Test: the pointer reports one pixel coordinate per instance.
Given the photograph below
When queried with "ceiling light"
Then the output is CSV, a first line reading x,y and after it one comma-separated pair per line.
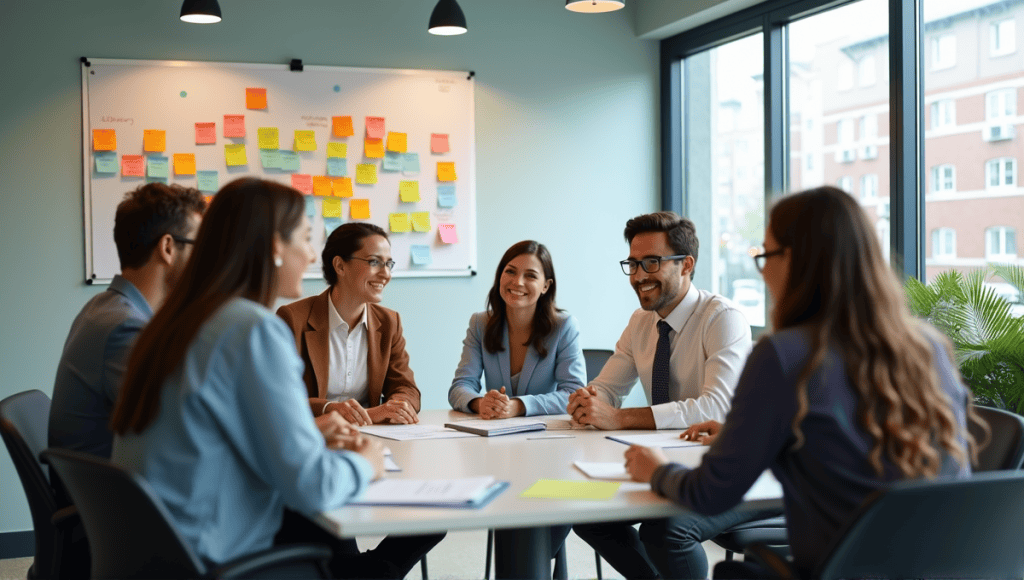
x,y
594,5
200,11
447,19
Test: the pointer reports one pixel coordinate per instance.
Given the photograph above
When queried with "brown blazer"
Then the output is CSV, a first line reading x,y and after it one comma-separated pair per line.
x,y
387,371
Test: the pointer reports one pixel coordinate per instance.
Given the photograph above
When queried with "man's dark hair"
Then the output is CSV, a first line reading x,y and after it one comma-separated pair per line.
x,y
344,241
682,234
148,214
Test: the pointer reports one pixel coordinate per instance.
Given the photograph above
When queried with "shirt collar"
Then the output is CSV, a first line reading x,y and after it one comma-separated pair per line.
x,y
334,319
681,313
122,286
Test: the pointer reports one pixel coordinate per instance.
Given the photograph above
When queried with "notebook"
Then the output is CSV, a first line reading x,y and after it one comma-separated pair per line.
x,y
493,427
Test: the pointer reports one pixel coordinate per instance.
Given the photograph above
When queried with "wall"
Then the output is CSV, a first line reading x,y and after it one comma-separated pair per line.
x,y
566,126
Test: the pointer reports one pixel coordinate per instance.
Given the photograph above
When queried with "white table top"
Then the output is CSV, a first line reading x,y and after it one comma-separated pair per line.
x,y
521,461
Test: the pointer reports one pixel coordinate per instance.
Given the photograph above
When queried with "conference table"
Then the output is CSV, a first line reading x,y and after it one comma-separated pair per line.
x,y
521,534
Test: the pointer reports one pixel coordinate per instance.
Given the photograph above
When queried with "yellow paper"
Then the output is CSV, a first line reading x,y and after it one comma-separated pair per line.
x,y
305,141
373,148
409,191
322,185
154,140
184,164
337,150
342,126
421,221
397,142
359,208
399,222
332,207
366,174
104,140
234,154
268,137
571,489
342,186
446,171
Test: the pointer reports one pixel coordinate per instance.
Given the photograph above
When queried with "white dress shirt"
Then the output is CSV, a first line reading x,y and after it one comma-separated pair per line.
x,y
347,377
710,343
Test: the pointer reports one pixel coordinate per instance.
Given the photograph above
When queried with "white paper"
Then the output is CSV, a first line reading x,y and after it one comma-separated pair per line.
x,y
425,491
390,465
765,487
413,432
614,470
498,424
660,439
557,422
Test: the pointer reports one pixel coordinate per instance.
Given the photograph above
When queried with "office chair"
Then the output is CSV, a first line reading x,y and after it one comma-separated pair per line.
x,y
61,550
595,359
131,534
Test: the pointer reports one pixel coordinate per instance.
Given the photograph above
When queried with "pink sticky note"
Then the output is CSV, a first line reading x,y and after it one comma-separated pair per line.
x,y
375,127
133,165
303,183
206,133
439,142
448,234
234,125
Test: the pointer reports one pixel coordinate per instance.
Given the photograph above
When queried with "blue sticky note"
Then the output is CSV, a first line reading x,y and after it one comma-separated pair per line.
x,y
393,161
337,167
106,161
446,195
208,181
310,205
289,161
157,166
420,255
331,224
270,158
411,163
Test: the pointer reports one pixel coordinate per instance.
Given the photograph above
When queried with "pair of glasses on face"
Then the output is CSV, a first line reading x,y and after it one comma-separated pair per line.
x,y
376,264
759,259
650,264
182,240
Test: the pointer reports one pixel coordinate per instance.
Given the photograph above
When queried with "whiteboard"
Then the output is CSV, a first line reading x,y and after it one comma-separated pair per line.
x,y
133,96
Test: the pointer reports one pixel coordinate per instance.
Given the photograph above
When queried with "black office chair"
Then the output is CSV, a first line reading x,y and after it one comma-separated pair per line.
x,y
949,528
61,550
131,535
595,359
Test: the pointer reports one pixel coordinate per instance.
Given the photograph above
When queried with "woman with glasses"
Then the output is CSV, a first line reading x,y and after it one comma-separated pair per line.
x,y
848,394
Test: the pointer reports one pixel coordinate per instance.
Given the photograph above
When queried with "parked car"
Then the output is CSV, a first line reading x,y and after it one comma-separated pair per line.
x,y
750,299
1009,293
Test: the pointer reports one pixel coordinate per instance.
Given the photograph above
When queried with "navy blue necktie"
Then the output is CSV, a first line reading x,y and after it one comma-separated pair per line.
x,y
659,373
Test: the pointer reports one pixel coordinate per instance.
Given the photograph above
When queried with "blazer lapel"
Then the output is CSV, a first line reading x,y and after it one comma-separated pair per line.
x,y
317,344
529,363
376,369
504,364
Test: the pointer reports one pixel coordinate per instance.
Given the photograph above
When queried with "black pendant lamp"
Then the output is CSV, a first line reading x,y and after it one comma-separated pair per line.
x,y
200,11
594,5
447,19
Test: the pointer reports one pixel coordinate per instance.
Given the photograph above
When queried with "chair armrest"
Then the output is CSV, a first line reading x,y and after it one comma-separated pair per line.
x,y
66,518
770,560
248,566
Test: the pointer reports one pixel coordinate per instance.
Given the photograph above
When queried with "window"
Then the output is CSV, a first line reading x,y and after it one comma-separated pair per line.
x,y
845,71
1002,37
869,127
944,243
1001,104
866,71
944,114
1000,243
943,178
809,162
943,51
869,187
844,131
845,183
1001,172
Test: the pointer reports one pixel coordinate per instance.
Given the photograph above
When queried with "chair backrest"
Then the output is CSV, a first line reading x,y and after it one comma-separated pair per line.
x,y
1006,447
130,532
950,528
595,359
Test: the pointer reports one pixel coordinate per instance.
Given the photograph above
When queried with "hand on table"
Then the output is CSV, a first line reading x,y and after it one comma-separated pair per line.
x,y
586,408
351,411
334,429
703,433
395,411
370,449
497,405
642,461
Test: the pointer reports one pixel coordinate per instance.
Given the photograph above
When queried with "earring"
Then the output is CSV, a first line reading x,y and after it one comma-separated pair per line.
x,y
278,261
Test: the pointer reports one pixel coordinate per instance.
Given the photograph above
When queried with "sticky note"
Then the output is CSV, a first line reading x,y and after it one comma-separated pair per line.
x,y
337,149
446,195
409,191
234,125
104,140
572,489
234,154
332,207
268,138
341,186
438,142
255,98
342,126
421,221
132,166
303,183
106,161
310,206
397,142
207,181
375,127
331,224
448,233
446,171
420,255
359,209
373,148
154,140
321,185
392,161
289,161
184,164
399,222
305,141
270,158
206,133
411,163
337,166
156,166
366,173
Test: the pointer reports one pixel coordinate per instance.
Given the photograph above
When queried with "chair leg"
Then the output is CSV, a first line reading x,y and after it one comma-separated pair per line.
x,y
597,564
728,555
423,567
487,562
561,567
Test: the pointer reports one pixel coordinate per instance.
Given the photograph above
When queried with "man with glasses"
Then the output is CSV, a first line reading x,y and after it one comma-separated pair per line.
x,y
687,346
154,229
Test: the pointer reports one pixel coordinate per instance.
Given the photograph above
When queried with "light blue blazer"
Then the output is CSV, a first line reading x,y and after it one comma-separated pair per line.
x,y
544,383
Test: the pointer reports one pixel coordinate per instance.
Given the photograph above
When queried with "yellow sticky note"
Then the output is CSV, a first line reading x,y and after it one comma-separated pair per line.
x,y
255,98
446,171
104,140
234,154
373,148
359,209
366,174
399,222
421,221
342,126
305,141
332,207
571,489
154,140
184,164
268,137
337,150
409,191
321,185
396,142
342,186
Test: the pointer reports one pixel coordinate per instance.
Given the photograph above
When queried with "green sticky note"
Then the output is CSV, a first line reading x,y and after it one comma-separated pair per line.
x,y
207,181
106,161
570,489
270,158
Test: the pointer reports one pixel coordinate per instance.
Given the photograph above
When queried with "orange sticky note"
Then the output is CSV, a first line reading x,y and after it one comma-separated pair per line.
x,y
373,148
184,164
104,140
206,133
342,126
409,191
359,209
303,183
133,166
446,171
305,141
421,221
399,222
234,125
321,185
342,186
154,140
337,150
397,142
332,207
438,142
234,154
447,233
366,173
255,98
375,127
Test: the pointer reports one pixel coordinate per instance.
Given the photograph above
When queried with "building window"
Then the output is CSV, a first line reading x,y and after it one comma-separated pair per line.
x,y
1002,36
845,71
944,114
1000,243
1001,104
869,187
943,51
869,127
809,162
1001,172
844,130
943,178
866,71
944,243
845,183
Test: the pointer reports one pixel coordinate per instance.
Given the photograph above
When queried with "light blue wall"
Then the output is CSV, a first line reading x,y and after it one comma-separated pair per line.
x,y
566,145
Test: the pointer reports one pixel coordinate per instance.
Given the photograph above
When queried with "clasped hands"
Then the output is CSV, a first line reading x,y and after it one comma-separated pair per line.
x,y
395,410
586,408
495,404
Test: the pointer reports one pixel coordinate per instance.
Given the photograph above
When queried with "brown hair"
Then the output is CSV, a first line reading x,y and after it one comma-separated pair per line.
x,y
345,240
149,213
233,257
543,317
682,234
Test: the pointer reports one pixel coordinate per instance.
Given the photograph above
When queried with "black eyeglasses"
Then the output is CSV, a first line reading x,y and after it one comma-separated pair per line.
x,y
650,265
759,259
182,240
375,263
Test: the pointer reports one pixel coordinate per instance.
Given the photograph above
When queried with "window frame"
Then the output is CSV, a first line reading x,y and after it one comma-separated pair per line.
x,y
939,109
995,35
941,61
1002,170
938,179
1003,233
937,235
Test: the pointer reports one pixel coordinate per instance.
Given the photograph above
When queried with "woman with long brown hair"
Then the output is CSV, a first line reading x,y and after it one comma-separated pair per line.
x,y
848,394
